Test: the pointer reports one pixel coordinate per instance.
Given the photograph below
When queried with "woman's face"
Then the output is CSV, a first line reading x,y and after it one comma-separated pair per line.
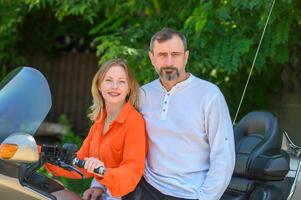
x,y
114,87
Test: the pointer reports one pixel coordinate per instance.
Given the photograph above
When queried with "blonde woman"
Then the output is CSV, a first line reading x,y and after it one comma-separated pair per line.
x,y
117,139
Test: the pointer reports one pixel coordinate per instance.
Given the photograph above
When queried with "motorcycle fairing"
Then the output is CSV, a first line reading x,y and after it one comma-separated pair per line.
x,y
25,100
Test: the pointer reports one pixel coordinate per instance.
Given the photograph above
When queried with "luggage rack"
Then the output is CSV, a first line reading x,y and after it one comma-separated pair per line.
x,y
296,150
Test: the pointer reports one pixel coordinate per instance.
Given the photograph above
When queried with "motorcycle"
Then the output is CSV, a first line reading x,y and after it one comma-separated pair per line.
x,y
25,100
267,161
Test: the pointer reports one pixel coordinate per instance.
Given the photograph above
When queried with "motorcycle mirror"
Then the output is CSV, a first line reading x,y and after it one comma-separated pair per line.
x,y
19,148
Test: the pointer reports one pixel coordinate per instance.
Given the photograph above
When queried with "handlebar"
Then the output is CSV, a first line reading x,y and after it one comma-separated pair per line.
x,y
65,157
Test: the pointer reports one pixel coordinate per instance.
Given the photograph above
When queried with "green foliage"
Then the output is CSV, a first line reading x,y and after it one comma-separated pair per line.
x,y
11,16
68,135
76,185
43,171
87,9
3,72
223,36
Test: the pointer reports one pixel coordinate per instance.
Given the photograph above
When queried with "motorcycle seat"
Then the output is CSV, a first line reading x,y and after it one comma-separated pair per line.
x,y
260,162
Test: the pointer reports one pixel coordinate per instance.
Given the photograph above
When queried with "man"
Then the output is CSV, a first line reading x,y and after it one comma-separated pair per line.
x,y
191,146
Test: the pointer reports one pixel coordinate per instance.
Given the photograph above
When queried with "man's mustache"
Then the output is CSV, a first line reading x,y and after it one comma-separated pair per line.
x,y
168,68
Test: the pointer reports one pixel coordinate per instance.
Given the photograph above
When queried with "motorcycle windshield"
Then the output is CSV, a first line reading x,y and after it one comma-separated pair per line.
x,y
25,100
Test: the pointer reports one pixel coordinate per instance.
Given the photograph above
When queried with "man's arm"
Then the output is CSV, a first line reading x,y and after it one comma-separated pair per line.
x,y
222,149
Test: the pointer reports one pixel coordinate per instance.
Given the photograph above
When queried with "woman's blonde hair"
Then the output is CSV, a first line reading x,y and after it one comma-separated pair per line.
x,y
98,101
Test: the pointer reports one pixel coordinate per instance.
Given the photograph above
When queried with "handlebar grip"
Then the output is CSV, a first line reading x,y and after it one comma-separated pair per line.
x,y
78,162
81,163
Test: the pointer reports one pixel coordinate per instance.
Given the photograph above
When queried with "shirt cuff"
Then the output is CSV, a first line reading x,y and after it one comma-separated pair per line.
x,y
97,184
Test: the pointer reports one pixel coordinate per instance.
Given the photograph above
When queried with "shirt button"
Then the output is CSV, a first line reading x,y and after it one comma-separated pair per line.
x,y
168,94
165,102
163,110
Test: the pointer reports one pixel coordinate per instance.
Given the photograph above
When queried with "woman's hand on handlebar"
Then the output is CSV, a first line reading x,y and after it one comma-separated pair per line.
x,y
92,193
92,163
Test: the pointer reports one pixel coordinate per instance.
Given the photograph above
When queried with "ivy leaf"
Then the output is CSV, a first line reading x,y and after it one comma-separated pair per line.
x,y
243,45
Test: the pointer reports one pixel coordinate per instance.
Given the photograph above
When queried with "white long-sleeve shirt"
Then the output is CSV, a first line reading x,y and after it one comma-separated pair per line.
x,y
191,145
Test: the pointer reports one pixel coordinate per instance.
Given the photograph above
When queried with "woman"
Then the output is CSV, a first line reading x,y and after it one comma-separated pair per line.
x,y
117,139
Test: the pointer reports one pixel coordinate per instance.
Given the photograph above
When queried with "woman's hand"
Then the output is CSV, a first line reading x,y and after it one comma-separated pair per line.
x,y
92,163
92,193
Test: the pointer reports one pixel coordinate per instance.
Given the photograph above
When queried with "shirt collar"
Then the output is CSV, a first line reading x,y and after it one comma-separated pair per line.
x,y
126,109
121,117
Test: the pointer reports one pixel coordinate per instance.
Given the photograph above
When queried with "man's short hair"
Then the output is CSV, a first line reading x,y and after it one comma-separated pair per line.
x,y
166,34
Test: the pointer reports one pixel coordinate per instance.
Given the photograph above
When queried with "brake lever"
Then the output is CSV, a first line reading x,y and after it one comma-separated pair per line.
x,y
71,168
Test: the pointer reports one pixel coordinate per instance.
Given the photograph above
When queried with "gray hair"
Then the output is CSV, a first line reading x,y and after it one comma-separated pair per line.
x,y
166,34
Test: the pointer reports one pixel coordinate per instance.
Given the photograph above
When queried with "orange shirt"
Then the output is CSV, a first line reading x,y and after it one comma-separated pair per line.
x,y
122,149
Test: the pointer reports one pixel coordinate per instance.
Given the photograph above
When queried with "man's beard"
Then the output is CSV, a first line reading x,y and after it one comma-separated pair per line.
x,y
169,76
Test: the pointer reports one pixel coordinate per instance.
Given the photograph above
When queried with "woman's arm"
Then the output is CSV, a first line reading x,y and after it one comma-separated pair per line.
x,y
124,178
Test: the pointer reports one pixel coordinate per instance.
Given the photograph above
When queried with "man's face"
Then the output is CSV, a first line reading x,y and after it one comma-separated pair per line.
x,y
169,59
